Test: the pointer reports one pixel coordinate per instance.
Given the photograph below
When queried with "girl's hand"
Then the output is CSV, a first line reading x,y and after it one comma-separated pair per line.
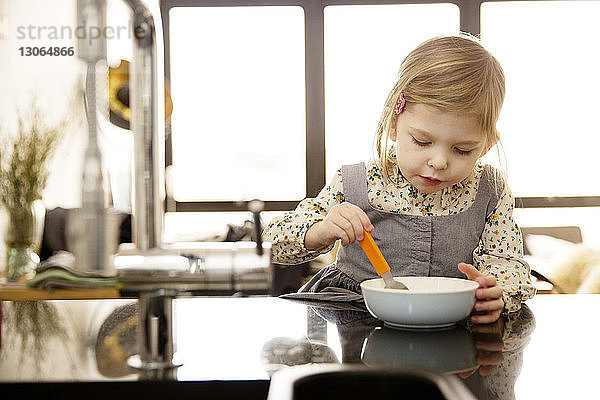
x,y
489,302
343,221
489,345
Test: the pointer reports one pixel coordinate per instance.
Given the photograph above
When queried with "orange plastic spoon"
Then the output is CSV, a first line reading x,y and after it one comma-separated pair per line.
x,y
376,258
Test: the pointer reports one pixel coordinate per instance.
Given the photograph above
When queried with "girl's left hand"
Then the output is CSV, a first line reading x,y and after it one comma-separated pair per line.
x,y
489,345
489,302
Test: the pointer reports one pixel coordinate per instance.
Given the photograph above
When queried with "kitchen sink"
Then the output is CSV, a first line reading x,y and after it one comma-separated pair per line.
x,y
351,382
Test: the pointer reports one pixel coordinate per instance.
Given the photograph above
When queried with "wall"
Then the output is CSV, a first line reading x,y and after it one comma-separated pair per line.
x,y
54,82
51,81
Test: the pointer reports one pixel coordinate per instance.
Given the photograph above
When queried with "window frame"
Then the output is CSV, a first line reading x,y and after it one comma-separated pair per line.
x,y
315,97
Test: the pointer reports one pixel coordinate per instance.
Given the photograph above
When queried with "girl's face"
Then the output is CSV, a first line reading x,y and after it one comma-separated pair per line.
x,y
436,149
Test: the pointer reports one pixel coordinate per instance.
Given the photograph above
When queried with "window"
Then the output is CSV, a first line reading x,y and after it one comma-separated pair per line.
x,y
364,46
549,122
237,81
548,127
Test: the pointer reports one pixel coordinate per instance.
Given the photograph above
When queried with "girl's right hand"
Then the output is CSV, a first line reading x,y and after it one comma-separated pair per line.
x,y
343,221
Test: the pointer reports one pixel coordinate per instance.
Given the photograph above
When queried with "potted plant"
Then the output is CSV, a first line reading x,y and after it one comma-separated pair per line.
x,y
24,167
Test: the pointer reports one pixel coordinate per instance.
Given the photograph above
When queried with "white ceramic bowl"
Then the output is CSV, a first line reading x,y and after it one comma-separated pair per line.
x,y
430,302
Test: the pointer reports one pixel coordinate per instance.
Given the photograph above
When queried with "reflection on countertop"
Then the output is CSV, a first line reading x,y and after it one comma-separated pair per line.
x,y
31,328
249,339
50,340
487,358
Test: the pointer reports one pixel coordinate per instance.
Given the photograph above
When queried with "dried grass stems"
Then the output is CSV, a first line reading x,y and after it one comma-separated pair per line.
x,y
31,326
24,161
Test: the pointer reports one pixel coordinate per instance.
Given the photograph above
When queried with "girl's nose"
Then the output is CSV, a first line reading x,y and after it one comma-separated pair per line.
x,y
438,161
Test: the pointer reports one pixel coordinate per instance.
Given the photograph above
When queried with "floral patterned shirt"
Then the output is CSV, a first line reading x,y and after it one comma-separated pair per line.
x,y
500,249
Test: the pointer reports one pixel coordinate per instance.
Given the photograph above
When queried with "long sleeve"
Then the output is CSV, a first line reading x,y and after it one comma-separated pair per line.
x,y
500,254
286,232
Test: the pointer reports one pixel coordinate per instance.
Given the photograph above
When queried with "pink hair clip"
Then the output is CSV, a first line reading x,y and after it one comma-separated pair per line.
x,y
400,105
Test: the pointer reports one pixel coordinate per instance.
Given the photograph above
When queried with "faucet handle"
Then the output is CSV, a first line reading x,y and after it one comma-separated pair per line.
x,y
256,207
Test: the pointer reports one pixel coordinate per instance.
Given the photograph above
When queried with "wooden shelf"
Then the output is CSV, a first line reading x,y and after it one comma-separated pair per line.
x,y
20,292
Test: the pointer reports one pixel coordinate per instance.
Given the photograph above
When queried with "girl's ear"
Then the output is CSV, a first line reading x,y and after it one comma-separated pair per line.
x,y
488,146
393,125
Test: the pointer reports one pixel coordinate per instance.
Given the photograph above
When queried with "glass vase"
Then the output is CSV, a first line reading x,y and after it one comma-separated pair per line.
x,y
23,238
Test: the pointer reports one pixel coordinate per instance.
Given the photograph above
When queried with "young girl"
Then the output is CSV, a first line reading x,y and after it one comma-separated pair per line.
x,y
431,205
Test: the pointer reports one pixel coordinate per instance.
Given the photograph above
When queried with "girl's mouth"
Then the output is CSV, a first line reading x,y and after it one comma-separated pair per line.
x,y
430,181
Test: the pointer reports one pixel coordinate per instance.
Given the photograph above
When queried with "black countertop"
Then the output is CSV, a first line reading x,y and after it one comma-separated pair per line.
x,y
229,347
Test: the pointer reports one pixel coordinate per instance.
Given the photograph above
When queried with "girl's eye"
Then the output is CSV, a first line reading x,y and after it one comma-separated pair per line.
x,y
419,143
462,152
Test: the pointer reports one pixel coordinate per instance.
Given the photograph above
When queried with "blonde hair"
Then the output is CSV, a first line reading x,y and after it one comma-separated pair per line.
x,y
453,74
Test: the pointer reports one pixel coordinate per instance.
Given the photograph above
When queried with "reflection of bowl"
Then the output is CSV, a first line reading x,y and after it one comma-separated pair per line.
x,y
442,350
430,302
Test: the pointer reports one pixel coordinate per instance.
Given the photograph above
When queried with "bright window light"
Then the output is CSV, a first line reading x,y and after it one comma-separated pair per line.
x,y
238,88
549,123
364,46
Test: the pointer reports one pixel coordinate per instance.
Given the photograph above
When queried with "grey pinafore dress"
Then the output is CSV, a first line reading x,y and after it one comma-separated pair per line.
x,y
413,245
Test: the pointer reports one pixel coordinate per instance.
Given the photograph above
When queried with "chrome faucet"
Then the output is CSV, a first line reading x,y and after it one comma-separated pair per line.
x,y
167,273
147,124
89,227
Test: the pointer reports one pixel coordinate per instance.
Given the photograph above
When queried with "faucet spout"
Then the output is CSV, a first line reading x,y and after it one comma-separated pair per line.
x,y
147,124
